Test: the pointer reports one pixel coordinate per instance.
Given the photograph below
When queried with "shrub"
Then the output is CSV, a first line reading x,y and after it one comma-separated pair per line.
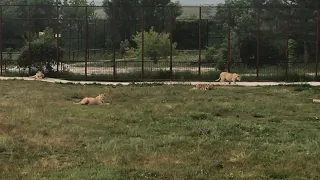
x,y
9,54
156,45
292,51
42,52
221,64
212,55
216,56
108,43
123,45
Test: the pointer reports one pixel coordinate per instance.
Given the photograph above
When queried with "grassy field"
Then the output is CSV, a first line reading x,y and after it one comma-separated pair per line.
x,y
158,132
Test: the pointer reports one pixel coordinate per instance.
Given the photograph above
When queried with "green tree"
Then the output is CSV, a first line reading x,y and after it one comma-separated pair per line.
x,y
242,26
42,52
42,14
128,15
303,22
74,14
292,51
12,30
156,45
186,32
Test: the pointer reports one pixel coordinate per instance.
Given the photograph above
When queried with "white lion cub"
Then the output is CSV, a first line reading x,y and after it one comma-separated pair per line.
x,y
92,101
229,77
38,75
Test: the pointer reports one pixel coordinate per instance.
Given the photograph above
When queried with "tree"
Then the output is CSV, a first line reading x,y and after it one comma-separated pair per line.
x,y
12,29
41,16
242,28
301,14
292,50
186,32
74,14
274,15
156,45
42,52
128,15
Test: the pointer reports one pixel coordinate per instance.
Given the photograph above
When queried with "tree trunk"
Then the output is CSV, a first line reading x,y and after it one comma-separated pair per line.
x,y
305,52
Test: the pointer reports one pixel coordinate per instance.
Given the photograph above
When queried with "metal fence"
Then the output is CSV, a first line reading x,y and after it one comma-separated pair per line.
x,y
260,44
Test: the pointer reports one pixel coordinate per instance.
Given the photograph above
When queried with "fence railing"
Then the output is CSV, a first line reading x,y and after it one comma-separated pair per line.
x,y
259,43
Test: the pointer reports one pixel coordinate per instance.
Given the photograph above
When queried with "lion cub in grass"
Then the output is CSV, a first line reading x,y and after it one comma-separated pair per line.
x,y
202,87
38,75
92,101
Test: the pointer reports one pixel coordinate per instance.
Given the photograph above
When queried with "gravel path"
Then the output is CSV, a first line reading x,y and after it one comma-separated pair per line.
x,y
53,80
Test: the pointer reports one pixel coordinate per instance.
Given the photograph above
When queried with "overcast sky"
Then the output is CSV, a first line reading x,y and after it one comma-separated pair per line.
x,y
183,2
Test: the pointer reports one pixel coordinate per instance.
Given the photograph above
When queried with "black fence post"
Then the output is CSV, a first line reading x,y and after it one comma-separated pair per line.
x,y
86,44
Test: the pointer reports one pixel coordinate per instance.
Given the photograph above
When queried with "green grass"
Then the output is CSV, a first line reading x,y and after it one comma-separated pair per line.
x,y
158,132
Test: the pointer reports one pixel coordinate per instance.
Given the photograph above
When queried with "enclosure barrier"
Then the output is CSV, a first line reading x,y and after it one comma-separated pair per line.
x,y
94,32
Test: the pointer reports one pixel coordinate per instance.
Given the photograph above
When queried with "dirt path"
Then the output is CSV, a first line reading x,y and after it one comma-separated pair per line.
x,y
53,80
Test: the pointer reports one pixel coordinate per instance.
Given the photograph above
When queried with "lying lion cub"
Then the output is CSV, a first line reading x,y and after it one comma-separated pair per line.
x,y
92,101
38,75
225,76
202,87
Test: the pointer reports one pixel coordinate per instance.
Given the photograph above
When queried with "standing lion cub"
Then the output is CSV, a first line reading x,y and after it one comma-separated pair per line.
x,y
226,76
92,101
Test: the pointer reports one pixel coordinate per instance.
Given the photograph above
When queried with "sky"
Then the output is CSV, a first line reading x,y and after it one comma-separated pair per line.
x,y
184,2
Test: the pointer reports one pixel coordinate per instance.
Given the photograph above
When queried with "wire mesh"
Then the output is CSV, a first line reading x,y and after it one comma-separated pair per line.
x,y
115,42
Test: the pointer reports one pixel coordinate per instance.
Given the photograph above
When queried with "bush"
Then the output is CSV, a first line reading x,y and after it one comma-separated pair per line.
x,y
108,43
212,55
292,51
9,54
123,45
216,56
42,52
156,45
